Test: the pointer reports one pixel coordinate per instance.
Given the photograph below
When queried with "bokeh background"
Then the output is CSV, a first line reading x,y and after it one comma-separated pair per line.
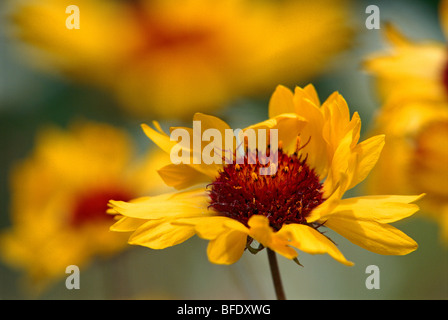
x,y
31,98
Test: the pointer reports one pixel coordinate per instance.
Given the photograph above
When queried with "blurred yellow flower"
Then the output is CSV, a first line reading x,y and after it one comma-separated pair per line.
x,y
232,204
168,57
413,87
415,157
412,70
59,198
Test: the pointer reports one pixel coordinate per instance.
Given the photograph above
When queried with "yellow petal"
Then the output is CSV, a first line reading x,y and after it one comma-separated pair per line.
x,y
311,94
211,122
312,133
367,154
161,139
212,227
364,225
355,127
343,157
182,176
188,203
341,164
208,122
326,208
264,234
379,238
336,110
382,209
216,146
311,241
394,36
126,224
160,234
227,248
281,102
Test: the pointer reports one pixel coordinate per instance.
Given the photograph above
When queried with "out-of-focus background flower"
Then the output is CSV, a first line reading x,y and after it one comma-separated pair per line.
x,y
71,105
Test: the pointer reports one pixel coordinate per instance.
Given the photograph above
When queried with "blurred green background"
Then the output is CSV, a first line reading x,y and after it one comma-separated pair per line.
x,y
29,98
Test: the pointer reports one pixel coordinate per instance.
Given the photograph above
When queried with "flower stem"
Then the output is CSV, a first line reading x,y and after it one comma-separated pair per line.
x,y
275,272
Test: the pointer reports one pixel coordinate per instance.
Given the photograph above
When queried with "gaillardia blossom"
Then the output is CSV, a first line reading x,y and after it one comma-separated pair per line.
x,y
231,204
415,157
142,50
59,198
412,70
412,78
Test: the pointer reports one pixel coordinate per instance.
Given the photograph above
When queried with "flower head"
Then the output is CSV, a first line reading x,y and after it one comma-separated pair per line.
x,y
231,204
59,196
168,53
413,86
415,157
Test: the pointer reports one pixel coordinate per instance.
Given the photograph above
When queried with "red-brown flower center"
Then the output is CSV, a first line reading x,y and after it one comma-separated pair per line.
x,y
285,197
164,36
92,206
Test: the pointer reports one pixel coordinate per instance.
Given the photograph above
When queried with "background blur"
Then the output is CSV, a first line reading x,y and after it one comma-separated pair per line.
x,y
30,98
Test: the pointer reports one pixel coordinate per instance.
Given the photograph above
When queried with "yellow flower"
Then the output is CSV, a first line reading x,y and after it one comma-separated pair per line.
x,y
169,57
415,156
412,70
232,204
59,198
413,86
